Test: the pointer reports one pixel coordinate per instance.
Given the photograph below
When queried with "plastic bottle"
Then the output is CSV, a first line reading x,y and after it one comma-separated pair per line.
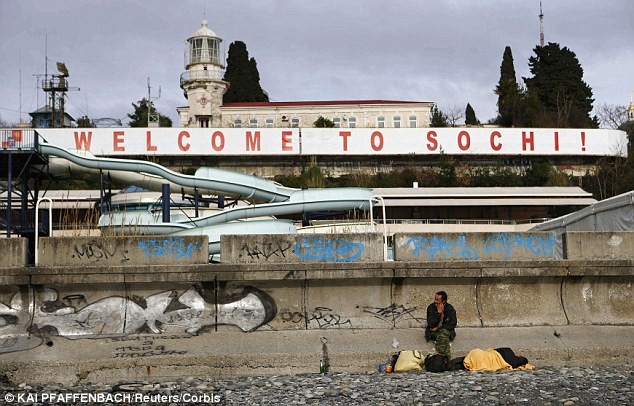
x,y
321,366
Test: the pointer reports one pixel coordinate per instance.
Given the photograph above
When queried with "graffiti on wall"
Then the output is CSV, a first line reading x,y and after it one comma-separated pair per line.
x,y
443,247
147,345
170,247
267,250
321,248
396,313
97,250
168,312
319,317
536,244
436,247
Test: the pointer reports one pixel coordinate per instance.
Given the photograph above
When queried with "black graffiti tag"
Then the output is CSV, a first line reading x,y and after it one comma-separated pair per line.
x,y
266,250
95,251
324,317
393,313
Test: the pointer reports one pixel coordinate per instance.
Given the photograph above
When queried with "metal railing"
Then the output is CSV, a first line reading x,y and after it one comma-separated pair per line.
x,y
15,139
444,221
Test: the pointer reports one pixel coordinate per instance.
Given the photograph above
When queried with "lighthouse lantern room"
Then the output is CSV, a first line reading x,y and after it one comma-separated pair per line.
x,y
202,81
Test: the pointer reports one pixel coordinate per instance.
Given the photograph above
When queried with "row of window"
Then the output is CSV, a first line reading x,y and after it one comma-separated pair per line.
x,y
352,122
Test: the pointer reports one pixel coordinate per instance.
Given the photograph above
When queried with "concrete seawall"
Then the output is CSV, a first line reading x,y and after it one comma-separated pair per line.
x,y
15,252
156,313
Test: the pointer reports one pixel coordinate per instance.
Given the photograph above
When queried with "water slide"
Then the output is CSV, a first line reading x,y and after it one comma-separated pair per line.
x,y
278,200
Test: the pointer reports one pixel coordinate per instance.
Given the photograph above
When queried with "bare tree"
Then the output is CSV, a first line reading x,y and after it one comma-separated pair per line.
x,y
454,115
611,116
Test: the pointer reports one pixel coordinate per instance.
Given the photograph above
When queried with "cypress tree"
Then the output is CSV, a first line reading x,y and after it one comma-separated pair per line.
x,y
507,90
243,76
470,116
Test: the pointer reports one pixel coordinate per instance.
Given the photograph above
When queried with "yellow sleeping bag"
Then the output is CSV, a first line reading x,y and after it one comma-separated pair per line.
x,y
489,360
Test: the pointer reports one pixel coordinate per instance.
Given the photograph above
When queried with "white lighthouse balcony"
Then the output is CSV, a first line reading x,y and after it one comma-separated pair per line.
x,y
212,73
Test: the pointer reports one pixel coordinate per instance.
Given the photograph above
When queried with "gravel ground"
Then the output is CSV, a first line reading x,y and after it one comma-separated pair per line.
x,y
543,386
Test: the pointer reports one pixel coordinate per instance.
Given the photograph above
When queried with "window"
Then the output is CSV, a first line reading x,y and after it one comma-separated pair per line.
x,y
352,122
412,121
380,122
269,123
295,123
237,123
253,123
196,49
337,122
397,121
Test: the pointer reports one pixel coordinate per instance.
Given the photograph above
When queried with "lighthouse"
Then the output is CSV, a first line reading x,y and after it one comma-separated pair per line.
x,y
202,81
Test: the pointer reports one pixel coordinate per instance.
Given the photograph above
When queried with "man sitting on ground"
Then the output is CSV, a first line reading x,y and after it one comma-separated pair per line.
x,y
441,323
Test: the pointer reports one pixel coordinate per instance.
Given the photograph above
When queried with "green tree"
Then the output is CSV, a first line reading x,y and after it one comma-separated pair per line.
x,y
565,100
139,117
243,76
470,116
84,122
323,122
507,90
438,118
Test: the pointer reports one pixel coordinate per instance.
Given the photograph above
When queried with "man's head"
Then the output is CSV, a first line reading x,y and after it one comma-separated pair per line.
x,y
441,297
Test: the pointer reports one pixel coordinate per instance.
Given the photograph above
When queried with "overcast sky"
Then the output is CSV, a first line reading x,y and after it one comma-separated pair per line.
x,y
448,52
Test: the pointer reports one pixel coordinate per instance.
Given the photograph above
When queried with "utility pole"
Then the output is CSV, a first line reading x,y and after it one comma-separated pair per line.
x,y
153,119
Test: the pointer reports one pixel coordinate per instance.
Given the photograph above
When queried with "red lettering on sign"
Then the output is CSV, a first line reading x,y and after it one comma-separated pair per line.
x,y
528,140
556,140
494,146
345,135
181,146
117,140
253,141
373,141
583,140
287,141
432,144
462,143
148,139
218,141
82,141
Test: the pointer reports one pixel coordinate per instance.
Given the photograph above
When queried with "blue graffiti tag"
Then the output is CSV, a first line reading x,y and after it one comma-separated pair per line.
x,y
169,247
337,250
444,246
532,243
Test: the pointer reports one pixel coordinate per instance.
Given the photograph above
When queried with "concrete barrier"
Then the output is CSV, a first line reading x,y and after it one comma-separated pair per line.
x,y
129,251
15,252
106,300
153,312
301,248
599,245
473,246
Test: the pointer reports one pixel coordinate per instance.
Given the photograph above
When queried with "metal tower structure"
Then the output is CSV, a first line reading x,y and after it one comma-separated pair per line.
x,y
56,87
153,118
541,25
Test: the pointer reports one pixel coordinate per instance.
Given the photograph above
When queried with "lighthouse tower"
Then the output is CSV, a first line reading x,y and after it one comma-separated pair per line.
x,y
202,81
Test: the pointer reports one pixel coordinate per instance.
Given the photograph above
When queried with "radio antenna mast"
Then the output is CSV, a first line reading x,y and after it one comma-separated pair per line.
x,y
541,25
153,118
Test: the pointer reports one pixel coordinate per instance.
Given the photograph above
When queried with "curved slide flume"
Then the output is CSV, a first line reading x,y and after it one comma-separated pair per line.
x,y
282,200
209,180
